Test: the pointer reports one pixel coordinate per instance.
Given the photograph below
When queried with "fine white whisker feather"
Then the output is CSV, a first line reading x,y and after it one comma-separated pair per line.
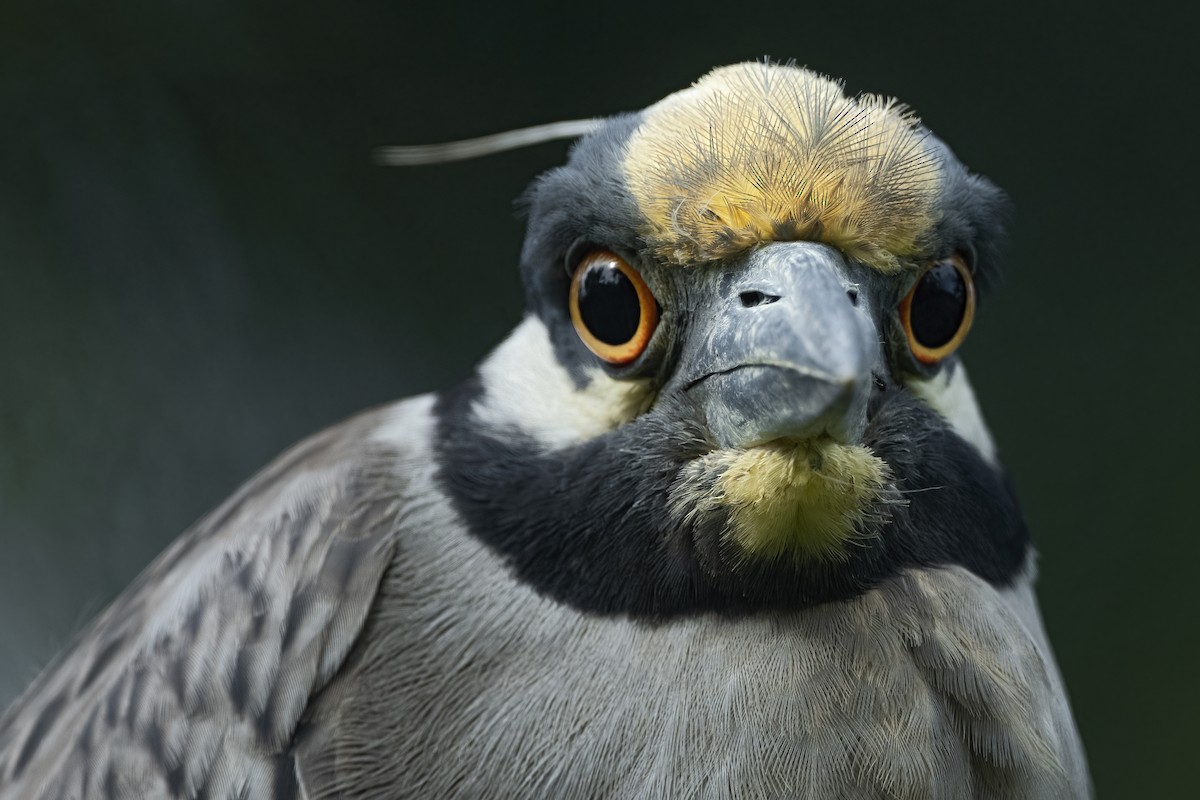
x,y
463,149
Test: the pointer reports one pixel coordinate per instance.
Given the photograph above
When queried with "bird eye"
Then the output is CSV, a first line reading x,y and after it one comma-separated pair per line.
x,y
612,307
937,312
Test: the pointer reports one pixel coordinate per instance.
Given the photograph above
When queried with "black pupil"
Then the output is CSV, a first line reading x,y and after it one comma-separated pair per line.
x,y
608,304
938,306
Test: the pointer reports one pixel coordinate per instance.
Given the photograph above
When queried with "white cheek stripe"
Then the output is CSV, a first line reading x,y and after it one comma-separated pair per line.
x,y
526,388
951,395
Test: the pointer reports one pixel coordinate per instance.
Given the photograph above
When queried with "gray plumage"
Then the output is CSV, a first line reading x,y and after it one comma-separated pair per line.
x,y
369,617
502,693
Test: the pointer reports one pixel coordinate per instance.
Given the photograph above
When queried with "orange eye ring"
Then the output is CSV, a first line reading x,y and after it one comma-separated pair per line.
x,y
935,318
612,308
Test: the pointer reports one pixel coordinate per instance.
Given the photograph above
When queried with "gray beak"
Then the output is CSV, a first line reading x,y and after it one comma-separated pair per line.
x,y
786,351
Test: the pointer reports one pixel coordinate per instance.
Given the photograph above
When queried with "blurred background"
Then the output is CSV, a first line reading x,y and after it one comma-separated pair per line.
x,y
199,265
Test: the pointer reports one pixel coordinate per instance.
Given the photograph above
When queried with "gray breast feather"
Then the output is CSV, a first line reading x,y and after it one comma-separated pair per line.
x,y
195,679
468,684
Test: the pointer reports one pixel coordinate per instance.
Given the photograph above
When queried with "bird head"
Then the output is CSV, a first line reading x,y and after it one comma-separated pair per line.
x,y
737,383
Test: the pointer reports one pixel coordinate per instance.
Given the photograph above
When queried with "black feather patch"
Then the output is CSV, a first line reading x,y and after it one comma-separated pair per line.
x,y
590,525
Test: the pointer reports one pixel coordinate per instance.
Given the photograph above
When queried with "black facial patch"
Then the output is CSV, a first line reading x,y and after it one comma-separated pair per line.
x,y
972,212
589,525
579,201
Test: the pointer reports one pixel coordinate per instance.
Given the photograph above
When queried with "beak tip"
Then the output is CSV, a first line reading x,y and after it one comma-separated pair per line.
x,y
757,404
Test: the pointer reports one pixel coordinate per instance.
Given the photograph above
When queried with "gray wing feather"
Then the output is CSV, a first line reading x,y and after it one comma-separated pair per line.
x,y
193,682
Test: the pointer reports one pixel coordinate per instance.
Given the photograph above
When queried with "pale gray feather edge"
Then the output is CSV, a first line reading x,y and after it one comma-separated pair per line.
x,y
194,679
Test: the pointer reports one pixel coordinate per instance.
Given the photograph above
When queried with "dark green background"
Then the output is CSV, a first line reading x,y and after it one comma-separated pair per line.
x,y
199,265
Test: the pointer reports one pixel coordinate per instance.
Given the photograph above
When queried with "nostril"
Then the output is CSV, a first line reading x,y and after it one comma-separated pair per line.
x,y
752,299
852,293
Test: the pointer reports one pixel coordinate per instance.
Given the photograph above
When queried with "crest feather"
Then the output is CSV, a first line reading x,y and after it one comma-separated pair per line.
x,y
764,152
